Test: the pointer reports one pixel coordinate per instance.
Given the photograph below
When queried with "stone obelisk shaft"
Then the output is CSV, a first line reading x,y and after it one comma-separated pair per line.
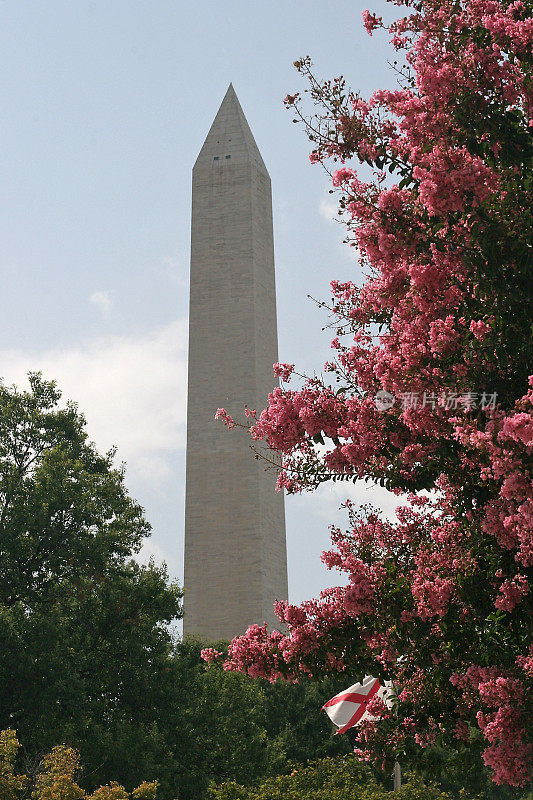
x,y
235,549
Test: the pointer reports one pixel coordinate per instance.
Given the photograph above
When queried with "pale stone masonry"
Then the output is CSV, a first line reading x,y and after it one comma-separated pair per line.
x,y
235,549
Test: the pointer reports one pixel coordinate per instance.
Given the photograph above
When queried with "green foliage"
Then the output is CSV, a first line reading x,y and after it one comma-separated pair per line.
x,y
462,768
11,785
338,779
328,779
84,642
225,726
56,777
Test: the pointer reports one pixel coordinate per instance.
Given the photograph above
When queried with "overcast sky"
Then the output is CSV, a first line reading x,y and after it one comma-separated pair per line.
x,y
106,106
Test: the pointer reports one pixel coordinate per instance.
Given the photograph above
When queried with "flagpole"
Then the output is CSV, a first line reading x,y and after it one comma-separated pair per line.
x,y
350,707
397,773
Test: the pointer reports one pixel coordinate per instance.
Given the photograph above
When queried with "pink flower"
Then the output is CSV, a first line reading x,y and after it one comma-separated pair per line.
x,y
509,756
479,329
512,592
371,21
526,662
342,175
222,414
519,427
283,371
209,654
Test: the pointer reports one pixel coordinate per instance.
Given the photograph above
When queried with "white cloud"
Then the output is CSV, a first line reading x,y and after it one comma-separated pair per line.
x,y
328,210
326,500
333,494
132,391
150,550
102,301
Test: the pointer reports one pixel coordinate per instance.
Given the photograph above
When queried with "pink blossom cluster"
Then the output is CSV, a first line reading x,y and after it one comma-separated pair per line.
x,y
360,594
283,371
371,22
501,718
222,414
209,654
512,592
526,662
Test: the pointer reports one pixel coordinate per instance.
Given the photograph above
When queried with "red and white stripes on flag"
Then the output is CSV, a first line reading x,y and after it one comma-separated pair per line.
x,y
348,708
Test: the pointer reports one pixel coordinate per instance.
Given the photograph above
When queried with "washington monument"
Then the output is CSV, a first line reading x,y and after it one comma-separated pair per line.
x,y
235,549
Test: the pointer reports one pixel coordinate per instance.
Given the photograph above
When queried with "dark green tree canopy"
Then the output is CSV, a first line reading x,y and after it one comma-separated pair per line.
x,y
64,509
83,626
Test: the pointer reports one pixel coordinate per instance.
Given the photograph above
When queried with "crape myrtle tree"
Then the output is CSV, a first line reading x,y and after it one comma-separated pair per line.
x,y
428,394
